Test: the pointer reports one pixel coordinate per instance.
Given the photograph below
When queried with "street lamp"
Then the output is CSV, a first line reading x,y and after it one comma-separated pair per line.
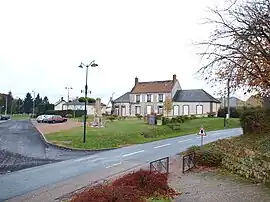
x,y
92,64
68,88
34,102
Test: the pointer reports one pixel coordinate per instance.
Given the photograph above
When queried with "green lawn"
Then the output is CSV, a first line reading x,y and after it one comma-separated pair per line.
x,y
127,132
20,117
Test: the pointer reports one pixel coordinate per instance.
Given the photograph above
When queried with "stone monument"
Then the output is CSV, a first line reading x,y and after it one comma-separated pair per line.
x,y
98,115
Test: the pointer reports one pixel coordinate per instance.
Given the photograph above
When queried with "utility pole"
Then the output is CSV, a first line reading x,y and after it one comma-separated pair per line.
x,y
6,104
34,98
224,105
228,100
68,88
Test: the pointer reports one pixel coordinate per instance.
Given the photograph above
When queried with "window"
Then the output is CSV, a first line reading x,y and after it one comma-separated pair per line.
x,y
149,98
160,109
175,110
137,110
160,97
199,109
185,110
138,98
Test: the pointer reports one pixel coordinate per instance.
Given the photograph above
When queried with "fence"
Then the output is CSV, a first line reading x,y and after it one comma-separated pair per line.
x,y
160,165
189,162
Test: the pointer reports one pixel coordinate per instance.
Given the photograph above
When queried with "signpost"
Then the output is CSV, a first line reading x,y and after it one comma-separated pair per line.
x,y
202,134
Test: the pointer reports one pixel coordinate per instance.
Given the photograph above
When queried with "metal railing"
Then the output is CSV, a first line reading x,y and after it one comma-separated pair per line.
x,y
160,165
189,162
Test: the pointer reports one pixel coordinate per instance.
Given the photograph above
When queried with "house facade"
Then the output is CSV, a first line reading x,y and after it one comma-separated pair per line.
x,y
147,97
76,105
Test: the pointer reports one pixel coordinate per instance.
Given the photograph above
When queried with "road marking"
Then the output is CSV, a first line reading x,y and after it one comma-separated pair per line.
x,y
184,140
133,153
165,145
85,158
94,160
199,137
115,164
215,134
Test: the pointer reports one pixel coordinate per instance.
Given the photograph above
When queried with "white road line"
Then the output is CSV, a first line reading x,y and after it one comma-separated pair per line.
x,y
199,137
115,164
86,158
94,160
133,153
184,140
165,145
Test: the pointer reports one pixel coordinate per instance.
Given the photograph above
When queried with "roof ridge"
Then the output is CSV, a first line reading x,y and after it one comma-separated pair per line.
x,y
161,81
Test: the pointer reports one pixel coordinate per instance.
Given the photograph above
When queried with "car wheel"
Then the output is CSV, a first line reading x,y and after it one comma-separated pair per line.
x,y
53,121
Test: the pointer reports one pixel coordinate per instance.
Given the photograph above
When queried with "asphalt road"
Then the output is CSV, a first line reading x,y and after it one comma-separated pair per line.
x,y
21,147
24,181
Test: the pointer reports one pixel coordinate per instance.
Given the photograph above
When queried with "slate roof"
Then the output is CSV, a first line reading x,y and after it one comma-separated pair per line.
x,y
58,102
76,102
123,98
194,95
153,87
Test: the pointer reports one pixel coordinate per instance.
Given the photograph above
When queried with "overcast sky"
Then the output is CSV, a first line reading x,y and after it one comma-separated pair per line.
x,y
43,42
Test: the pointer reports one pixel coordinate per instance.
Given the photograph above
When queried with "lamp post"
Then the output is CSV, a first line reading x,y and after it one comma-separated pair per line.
x,y
68,88
92,64
34,102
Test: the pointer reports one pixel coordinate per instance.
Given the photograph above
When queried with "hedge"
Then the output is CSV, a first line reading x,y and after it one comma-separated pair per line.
x,y
255,120
234,112
78,113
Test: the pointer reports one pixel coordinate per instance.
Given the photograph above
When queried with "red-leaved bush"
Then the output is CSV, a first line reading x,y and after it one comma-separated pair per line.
x,y
133,187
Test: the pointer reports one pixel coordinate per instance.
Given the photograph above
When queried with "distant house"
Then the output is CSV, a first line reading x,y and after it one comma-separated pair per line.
x,y
76,105
257,101
234,102
59,104
147,97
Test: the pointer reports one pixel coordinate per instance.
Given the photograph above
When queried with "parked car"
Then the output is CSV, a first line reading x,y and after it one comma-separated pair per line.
x,y
46,119
41,118
4,117
56,119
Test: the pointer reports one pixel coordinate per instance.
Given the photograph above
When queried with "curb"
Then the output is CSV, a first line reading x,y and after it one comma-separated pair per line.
x,y
4,121
46,142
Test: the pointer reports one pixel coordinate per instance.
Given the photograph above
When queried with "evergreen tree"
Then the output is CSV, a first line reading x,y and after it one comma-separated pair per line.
x,y
9,102
28,104
38,100
45,100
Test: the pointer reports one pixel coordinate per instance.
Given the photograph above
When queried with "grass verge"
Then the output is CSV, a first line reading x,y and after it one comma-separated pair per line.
x,y
128,132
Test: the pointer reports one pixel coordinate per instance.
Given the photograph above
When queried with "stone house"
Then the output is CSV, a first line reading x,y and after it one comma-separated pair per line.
x,y
147,97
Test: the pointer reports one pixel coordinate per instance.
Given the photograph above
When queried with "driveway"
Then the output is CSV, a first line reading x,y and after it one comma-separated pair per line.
x,y
21,146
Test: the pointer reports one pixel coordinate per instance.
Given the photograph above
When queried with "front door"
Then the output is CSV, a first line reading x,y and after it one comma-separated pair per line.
x,y
148,109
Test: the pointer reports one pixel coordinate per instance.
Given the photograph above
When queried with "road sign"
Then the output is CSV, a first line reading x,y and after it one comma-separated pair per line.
x,y
202,132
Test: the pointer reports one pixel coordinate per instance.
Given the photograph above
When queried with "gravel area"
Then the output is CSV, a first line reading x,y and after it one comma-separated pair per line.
x,y
209,185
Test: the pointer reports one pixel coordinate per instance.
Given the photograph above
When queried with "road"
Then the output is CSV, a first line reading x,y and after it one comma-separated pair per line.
x,y
21,147
24,181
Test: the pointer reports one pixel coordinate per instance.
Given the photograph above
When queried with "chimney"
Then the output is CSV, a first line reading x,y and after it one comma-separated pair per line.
x,y
174,78
136,80
62,98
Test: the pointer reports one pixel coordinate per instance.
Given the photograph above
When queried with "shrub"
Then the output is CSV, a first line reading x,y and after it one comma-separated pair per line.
x,y
139,116
211,158
234,112
69,116
211,114
193,117
185,117
111,118
174,126
165,120
154,131
255,120
192,149
159,116
132,187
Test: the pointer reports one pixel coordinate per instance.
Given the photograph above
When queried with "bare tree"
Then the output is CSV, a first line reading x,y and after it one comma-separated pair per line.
x,y
168,105
239,46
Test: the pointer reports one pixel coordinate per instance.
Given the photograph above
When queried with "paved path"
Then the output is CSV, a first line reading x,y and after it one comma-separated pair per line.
x,y
24,181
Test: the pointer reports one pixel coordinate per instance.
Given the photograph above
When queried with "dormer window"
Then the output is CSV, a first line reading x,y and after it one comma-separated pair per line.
x,y
149,98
